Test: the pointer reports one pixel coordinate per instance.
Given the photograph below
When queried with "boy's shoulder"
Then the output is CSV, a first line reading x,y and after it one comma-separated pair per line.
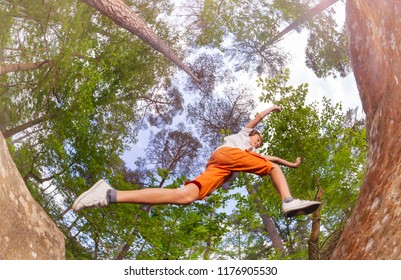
x,y
246,130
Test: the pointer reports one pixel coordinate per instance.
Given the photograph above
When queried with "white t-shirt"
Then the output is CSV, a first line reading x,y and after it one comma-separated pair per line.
x,y
240,140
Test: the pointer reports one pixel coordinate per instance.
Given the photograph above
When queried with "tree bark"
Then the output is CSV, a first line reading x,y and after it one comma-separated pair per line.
x,y
125,17
26,231
373,229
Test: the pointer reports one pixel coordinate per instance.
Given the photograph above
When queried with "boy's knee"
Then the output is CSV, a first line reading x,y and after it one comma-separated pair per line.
x,y
187,199
275,166
188,195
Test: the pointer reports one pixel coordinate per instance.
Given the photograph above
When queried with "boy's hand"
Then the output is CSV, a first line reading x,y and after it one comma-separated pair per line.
x,y
297,162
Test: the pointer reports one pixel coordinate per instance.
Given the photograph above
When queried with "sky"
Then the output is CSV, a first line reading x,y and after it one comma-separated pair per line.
x,y
342,90
339,90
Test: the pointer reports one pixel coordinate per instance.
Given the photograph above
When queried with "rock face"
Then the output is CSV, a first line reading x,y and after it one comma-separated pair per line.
x,y
374,228
26,231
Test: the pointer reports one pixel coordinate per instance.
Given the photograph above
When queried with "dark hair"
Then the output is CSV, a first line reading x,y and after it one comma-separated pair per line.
x,y
255,132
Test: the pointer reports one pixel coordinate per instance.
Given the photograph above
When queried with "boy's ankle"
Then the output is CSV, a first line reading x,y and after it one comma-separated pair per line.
x,y
111,196
288,199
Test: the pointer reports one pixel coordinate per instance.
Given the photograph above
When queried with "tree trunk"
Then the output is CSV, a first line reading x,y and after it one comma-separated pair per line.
x,y
373,229
11,132
7,68
313,242
267,221
125,17
125,246
26,231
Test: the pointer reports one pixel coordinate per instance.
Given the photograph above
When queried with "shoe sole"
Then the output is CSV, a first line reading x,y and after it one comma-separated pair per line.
x,y
88,192
303,211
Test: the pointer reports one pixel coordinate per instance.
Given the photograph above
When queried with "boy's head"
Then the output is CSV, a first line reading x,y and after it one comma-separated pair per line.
x,y
256,139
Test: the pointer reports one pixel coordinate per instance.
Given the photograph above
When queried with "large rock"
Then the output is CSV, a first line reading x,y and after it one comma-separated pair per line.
x,y
26,231
373,230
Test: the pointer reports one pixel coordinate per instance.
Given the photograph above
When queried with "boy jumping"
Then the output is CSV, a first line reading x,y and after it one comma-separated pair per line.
x,y
235,155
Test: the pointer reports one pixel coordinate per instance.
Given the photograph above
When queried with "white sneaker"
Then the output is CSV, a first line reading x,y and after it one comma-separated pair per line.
x,y
96,196
299,207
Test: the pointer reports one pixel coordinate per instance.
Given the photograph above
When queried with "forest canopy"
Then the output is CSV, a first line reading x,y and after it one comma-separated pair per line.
x,y
77,92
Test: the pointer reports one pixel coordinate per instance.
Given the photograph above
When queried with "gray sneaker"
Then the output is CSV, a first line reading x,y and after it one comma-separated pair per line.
x,y
298,207
96,196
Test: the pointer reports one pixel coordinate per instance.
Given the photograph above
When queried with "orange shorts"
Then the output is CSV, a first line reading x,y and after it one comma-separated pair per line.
x,y
223,162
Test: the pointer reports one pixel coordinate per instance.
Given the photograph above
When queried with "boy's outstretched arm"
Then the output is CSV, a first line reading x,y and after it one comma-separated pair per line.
x,y
253,123
284,162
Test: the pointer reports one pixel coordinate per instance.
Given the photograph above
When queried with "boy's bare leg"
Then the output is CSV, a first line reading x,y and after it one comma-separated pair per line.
x,y
291,207
280,182
101,194
184,195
